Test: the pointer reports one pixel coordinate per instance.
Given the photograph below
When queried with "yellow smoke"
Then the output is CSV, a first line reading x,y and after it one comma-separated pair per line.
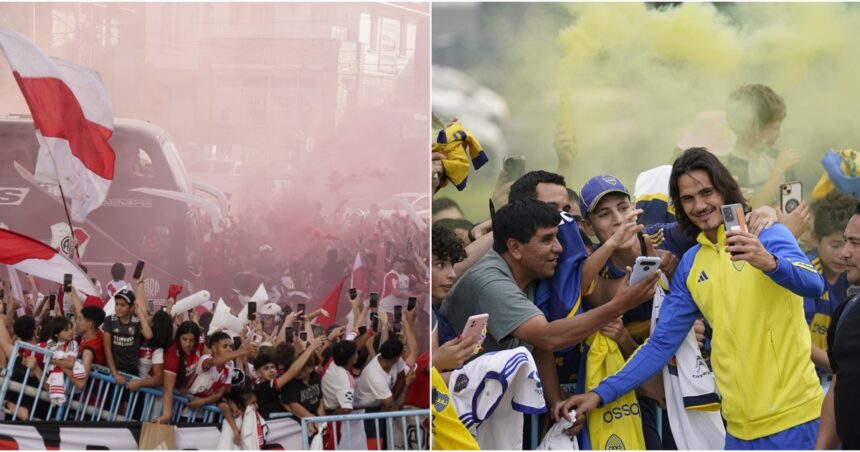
x,y
635,77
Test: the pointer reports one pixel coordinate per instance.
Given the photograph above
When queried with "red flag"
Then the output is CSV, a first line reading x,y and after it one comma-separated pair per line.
x,y
358,278
330,304
31,256
73,120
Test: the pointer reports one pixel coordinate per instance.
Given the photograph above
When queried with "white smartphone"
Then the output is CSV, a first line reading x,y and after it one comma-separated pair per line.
x,y
476,327
644,267
790,196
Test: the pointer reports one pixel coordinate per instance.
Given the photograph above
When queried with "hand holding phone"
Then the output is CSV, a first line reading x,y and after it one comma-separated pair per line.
x,y
733,219
353,293
644,267
476,329
138,270
410,305
67,282
790,196
300,308
252,310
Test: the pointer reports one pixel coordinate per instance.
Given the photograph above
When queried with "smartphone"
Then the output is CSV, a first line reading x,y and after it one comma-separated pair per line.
x,y
71,317
290,334
237,343
410,305
301,308
374,297
374,321
138,270
252,310
476,327
790,196
644,267
303,336
52,301
362,330
353,293
318,330
397,326
733,217
67,282
492,211
398,313
515,167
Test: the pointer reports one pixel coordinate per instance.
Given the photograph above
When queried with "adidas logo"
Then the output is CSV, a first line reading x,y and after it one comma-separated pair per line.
x,y
703,276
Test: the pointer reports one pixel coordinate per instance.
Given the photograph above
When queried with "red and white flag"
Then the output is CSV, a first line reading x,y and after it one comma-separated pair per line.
x,y
330,304
358,278
73,119
61,239
34,257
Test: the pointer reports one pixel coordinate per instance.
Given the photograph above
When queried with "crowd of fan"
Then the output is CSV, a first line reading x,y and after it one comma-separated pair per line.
x,y
280,362
550,247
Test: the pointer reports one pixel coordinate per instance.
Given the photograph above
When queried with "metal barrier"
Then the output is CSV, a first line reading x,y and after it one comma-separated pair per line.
x,y
388,416
89,405
8,377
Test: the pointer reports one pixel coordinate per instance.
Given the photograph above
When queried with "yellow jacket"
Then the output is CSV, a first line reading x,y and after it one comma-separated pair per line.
x,y
760,345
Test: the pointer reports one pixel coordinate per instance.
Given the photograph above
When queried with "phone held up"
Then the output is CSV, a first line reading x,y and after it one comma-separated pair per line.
x,y
733,218
790,196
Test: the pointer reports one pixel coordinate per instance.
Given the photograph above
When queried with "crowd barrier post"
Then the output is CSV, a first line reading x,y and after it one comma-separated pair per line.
x,y
387,417
8,378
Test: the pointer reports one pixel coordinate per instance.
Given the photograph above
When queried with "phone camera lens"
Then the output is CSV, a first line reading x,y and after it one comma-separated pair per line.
x,y
646,268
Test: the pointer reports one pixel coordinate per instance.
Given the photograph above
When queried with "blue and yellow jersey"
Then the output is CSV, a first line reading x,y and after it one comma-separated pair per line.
x,y
669,237
761,345
820,309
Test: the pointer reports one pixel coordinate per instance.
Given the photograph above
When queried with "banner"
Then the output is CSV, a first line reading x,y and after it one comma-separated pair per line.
x,y
284,434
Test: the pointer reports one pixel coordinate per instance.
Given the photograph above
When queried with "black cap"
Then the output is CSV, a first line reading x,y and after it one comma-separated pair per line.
x,y
125,294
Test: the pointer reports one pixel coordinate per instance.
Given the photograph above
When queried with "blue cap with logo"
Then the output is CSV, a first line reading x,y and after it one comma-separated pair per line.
x,y
596,188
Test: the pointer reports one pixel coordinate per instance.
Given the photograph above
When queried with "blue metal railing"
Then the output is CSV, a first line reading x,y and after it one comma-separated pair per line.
x,y
91,400
10,368
387,416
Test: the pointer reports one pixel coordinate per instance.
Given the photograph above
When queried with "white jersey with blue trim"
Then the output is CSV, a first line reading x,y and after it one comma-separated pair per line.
x,y
492,392
692,402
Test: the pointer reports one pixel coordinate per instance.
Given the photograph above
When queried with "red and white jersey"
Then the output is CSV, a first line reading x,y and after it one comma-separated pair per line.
x,y
148,357
207,382
171,362
393,280
115,286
